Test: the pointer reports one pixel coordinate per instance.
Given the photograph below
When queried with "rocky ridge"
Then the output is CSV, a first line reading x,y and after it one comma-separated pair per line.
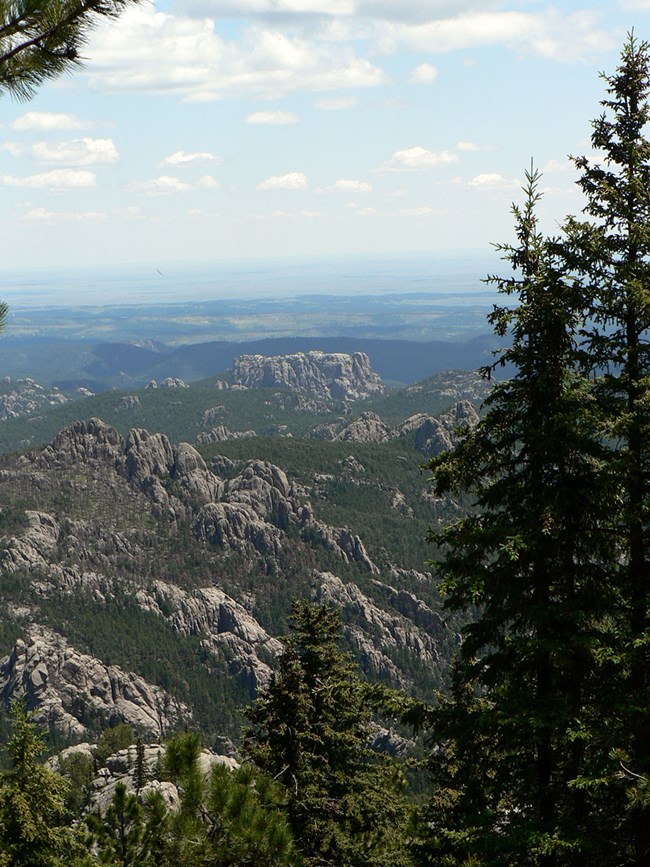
x,y
320,375
130,502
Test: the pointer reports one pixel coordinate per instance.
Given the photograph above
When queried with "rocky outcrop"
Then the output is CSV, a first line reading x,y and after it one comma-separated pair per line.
x,y
27,398
342,542
169,382
224,625
152,463
66,687
83,442
128,401
236,527
435,435
329,375
221,433
368,428
381,636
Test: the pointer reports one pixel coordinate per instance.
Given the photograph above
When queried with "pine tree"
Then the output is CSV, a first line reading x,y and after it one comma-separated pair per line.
x,y
519,735
34,823
41,39
310,732
609,250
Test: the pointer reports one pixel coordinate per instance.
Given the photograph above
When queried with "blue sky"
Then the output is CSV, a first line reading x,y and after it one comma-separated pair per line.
x,y
209,130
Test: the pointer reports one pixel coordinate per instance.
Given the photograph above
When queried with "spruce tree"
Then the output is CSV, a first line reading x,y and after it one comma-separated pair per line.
x,y
609,251
519,736
41,39
310,732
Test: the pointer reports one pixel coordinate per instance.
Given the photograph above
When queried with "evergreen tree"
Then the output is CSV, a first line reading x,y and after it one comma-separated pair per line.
x,y
226,818
310,732
520,739
34,823
41,39
609,250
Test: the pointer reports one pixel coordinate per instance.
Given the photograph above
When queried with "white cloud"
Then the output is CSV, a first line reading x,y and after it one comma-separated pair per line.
x,y
80,152
13,148
424,211
290,181
551,33
46,121
272,118
468,146
57,179
208,182
42,215
341,103
425,73
180,159
418,159
295,10
491,179
186,57
161,186
348,185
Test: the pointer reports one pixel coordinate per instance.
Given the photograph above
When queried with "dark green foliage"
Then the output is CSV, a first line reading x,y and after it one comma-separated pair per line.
x,y
609,251
34,823
310,732
128,834
520,732
226,818
40,39
121,633
77,770
113,739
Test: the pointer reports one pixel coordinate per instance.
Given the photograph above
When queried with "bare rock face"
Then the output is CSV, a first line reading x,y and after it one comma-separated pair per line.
x,y
382,636
344,543
128,401
221,433
368,428
151,462
237,527
328,375
26,398
224,625
65,687
435,435
83,442
266,490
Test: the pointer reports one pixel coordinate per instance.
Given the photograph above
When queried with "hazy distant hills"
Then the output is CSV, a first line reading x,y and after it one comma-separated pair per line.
x,y
70,363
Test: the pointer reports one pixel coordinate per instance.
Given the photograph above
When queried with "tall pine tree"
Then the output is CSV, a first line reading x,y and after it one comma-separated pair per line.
x,y
609,250
519,737
311,733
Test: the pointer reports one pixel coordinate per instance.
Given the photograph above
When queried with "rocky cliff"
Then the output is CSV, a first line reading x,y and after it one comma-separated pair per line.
x,y
145,581
329,375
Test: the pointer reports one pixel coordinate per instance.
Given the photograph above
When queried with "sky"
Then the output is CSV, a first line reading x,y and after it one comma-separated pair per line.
x,y
207,131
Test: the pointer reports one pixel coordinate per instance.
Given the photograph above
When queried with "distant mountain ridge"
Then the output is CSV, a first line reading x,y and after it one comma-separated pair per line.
x,y
70,364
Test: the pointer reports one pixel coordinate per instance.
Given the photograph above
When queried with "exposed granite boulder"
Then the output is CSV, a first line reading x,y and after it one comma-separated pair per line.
x,y
237,527
435,435
368,428
381,636
264,488
328,375
82,442
151,462
225,626
221,433
342,542
66,687
27,398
